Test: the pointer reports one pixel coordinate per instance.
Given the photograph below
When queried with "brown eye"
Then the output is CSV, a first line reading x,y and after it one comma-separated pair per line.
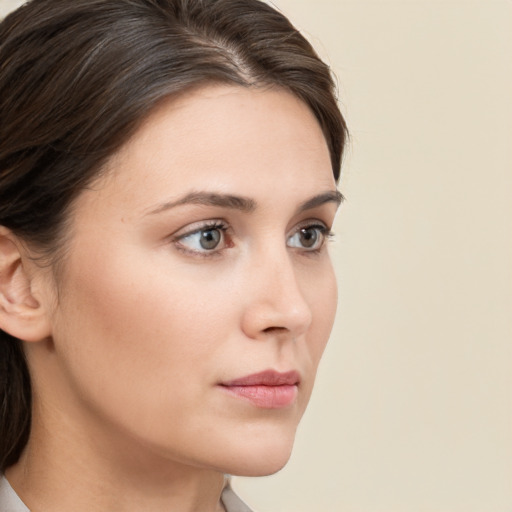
x,y
309,238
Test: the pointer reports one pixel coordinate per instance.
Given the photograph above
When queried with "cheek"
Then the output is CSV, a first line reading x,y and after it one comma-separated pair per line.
x,y
320,290
134,316
122,323
323,296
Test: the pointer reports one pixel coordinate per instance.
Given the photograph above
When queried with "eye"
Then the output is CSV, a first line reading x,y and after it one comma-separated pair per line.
x,y
208,238
310,238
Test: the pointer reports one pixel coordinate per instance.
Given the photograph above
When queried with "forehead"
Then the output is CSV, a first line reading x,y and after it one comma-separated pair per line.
x,y
231,139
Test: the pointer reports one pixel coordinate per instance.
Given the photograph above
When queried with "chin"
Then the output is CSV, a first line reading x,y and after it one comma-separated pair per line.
x,y
260,457
263,468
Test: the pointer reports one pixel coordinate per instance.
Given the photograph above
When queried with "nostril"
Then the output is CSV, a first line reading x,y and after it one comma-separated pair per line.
x,y
272,330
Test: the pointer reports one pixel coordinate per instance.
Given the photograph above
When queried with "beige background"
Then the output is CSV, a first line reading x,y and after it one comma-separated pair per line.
x,y
413,407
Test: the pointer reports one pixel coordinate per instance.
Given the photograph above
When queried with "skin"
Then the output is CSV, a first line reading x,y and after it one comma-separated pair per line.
x,y
143,324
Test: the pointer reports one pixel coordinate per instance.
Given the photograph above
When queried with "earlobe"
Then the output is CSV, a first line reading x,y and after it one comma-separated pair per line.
x,y
21,314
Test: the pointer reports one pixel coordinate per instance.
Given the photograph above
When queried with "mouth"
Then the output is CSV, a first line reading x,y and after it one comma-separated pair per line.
x,y
268,389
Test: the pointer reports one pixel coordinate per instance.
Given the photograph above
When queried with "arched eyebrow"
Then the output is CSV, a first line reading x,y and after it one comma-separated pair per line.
x,y
244,204
333,196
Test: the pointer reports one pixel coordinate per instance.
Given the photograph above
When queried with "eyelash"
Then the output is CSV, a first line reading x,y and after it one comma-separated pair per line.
x,y
224,228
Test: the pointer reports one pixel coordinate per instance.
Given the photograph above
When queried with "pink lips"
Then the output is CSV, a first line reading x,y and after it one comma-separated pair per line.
x,y
268,389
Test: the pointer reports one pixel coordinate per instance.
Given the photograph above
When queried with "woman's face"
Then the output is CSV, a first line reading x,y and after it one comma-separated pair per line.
x,y
197,262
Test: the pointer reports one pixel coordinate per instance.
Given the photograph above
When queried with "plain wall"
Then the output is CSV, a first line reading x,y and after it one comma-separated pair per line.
x,y
412,410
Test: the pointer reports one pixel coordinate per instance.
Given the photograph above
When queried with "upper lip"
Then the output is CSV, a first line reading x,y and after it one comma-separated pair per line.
x,y
266,378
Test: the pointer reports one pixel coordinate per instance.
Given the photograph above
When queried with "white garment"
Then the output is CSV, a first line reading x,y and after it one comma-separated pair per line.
x,y
10,501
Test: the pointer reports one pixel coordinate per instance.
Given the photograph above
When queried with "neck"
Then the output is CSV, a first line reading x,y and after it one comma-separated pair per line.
x,y
70,468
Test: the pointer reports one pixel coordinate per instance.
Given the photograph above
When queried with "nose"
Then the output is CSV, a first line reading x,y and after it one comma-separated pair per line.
x,y
275,303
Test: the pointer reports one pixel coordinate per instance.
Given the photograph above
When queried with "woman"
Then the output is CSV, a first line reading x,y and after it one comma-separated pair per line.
x,y
168,176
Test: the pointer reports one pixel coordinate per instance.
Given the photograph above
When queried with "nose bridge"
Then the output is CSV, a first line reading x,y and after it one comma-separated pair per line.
x,y
277,300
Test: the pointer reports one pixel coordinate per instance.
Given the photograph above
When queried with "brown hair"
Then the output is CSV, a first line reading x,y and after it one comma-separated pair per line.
x,y
76,80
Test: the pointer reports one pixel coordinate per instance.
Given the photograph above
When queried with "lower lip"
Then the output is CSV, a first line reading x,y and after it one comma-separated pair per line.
x,y
266,397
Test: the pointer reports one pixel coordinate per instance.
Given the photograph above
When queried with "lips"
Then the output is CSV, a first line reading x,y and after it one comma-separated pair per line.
x,y
267,390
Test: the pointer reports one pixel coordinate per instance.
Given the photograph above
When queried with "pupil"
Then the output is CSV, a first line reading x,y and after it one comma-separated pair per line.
x,y
309,237
210,239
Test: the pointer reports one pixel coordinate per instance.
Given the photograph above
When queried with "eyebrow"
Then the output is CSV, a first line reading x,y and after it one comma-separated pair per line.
x,y
334,196
210,199
241,203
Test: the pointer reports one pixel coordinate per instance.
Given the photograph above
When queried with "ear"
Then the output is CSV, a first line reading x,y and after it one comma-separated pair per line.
x,y
21,314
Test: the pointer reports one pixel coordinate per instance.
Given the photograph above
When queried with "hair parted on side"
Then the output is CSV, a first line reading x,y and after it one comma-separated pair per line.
x,y
78,77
